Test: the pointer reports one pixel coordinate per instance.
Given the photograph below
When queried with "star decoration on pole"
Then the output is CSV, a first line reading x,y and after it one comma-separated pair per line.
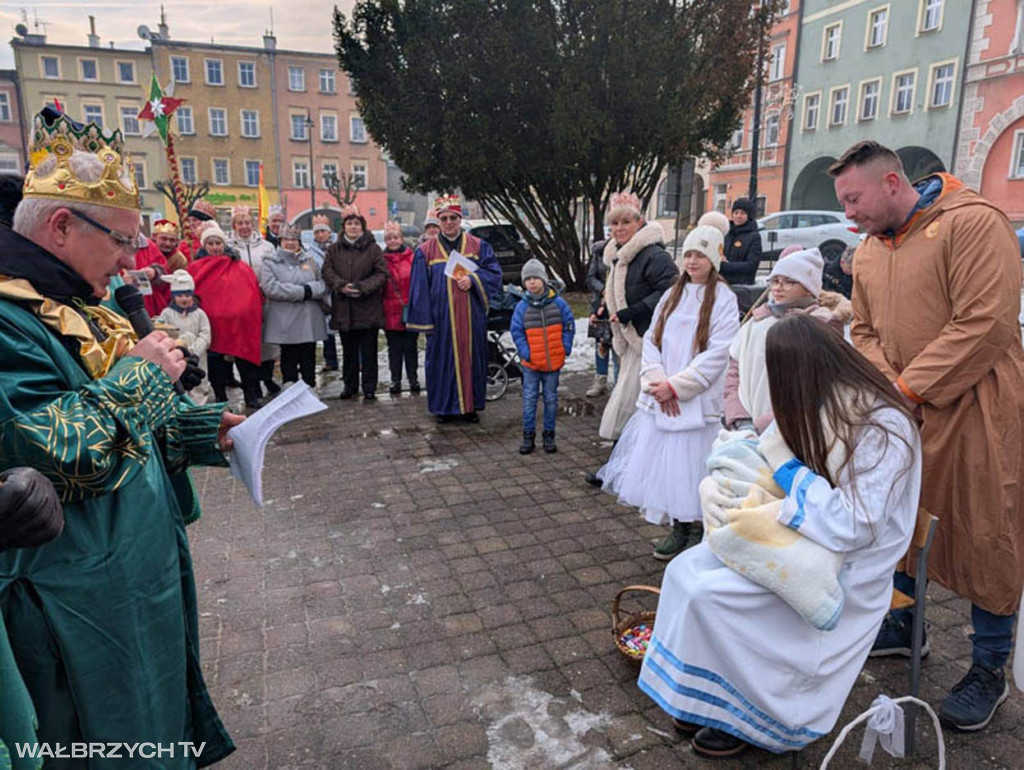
x,y
159,108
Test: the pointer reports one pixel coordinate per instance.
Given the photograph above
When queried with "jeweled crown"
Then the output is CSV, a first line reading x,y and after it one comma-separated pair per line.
x,y
56,139
448,202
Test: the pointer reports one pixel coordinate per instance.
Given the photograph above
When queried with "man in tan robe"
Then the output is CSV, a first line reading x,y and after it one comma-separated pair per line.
x,y
936,299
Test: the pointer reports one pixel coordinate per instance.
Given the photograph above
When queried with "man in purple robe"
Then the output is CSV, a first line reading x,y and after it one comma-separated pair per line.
x,y
452,311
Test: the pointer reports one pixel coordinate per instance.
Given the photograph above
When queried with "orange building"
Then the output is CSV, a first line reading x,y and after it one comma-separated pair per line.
x,y
731,178
12,130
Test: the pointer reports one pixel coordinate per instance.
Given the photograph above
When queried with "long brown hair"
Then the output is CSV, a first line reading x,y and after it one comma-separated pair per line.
x,y
812,369
700,341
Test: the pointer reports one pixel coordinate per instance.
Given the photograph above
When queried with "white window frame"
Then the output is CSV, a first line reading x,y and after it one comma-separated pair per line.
x,y
887,10
333,80
954,63
130,111
832,103
333,164
245,172
241,118
252,64
767,130
103,113
291,127
292,69
352,133
195,169
209,118
213,171
117,71
81,69
140,165
736,140
1017,156
6,113
860,99
298,163
838,26
206,72
42,67
777,70
188,68
922,15
817,115
10,160
191,121
894,92
323,136
365,166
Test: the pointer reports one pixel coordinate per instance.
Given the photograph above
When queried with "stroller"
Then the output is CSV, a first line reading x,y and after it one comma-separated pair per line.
x,y
503,363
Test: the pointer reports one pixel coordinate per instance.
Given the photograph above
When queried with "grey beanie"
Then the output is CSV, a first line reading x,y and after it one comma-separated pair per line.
x,y
534,268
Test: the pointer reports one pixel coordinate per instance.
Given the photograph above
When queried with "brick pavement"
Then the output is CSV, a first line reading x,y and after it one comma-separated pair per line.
x,y
416,595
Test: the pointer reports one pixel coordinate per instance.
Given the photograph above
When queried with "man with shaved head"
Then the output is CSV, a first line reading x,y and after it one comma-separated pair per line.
x,y
936,299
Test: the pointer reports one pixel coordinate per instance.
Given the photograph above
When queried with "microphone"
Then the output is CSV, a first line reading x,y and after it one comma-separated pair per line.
x,y
129,299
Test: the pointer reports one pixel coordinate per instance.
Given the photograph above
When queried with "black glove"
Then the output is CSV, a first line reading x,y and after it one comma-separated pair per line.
x,y
30,512
307,293
193,375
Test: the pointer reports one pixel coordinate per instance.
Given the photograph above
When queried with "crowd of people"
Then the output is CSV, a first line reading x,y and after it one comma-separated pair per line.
x,y
837,437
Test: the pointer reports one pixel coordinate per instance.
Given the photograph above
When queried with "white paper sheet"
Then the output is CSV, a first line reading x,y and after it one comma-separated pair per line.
x,y
251,437
455,261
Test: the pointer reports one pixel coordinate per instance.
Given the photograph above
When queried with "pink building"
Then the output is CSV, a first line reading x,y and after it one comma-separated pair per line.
x,y
990,148
314,104
12,132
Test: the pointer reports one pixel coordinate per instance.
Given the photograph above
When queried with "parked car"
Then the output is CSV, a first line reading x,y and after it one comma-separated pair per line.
x,y
830,231
509,248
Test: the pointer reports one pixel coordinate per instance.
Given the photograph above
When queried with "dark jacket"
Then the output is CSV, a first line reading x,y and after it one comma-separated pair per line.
x,y
651,273
361,263
596,272
742,248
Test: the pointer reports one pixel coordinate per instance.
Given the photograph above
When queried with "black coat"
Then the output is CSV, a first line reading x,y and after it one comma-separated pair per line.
x,y
742,253
597,271
651,273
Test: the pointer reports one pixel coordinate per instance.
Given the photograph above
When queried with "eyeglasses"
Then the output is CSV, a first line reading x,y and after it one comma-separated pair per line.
x,y
781,283
125,243
448,218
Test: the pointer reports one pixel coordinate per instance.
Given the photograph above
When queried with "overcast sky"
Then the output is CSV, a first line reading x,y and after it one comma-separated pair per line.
x,y
304,25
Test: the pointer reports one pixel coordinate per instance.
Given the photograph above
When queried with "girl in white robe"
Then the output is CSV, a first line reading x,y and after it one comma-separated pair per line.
x,y
728,658
659,461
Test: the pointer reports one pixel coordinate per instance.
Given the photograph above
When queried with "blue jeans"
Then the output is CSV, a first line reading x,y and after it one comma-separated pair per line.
x,y
533,384
993,634
601,362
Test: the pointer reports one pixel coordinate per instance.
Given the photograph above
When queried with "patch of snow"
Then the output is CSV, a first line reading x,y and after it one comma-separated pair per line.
x,y
439,465
394,626
377,505
417,599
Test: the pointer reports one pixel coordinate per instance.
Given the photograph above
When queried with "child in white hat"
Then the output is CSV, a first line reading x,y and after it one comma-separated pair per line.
x,y
191,323
660,458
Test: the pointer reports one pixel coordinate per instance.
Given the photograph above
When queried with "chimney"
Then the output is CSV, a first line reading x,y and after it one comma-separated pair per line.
x,y
165,32
269,41
94,39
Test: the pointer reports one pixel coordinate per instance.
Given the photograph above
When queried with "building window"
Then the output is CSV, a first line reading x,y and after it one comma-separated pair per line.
x,y
869,93
218,121
247,74
125,72
778,69
771,131
90,71
252,173
837,110
296,79
5,107
93,113
220,172
942,85
299,127
736,141
1017,165
251,123
783,7
140,173
812,108
830,44
903,93
329,169
357,130
327,82
188,170
214,72
359,176
720,192
130,121
184,118
328,127
878,25
50,67
179,69
10,161
931,17
300,173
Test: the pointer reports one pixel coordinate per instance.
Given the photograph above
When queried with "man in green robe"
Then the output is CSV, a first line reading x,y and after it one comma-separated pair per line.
x,y
102,622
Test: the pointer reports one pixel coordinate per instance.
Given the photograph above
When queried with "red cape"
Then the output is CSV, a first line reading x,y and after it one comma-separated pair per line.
x,y
230,296
161,296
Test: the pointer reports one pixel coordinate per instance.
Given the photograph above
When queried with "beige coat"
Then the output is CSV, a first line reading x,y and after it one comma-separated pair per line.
x,y
936,310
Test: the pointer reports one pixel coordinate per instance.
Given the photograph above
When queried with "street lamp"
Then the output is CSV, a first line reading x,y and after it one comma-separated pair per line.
x,y
763,12
312,179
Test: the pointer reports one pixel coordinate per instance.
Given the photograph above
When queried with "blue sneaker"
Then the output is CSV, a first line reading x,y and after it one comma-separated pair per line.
x,y
974,699
894,638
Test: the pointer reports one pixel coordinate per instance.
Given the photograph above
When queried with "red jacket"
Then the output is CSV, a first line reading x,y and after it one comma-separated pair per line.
x,y
399,272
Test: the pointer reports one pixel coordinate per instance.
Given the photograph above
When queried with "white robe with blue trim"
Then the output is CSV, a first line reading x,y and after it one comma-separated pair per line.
x,y
730,654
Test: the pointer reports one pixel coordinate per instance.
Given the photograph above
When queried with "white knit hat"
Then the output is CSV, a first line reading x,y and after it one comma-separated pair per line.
x,y
180,280
708,241
804,267
212,231
716,219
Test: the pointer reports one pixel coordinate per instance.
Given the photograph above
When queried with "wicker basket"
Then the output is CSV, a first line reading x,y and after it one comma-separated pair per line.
x,y
625,624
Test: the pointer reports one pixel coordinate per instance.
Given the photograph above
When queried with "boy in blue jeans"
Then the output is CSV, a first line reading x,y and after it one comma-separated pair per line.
x,y
543,329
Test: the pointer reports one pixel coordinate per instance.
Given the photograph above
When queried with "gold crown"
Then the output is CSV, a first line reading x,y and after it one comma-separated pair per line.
x,y
449,202
321,219
165,226
55,140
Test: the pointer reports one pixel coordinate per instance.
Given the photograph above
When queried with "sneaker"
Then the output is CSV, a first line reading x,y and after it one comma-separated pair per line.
x,y
894,638
974,699
675,542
